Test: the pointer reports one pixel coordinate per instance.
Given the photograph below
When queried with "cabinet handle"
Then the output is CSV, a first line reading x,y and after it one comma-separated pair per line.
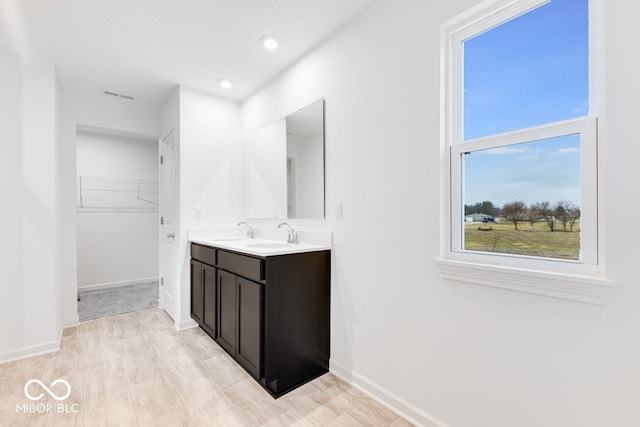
x,y
171,236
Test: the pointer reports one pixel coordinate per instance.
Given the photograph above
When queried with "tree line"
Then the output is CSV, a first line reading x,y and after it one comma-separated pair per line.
x,y
565,214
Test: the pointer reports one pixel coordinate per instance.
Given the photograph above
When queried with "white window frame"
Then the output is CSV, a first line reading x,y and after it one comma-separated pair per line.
x,y
582,280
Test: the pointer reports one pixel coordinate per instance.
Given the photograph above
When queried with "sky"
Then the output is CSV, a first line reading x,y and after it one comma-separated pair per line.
x,y
546,170
529,71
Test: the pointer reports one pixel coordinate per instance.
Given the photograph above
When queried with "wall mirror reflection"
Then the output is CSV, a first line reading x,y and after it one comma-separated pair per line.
x,y
284,166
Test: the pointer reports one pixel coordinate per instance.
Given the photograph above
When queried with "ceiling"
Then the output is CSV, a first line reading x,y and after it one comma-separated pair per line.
x,y
144,48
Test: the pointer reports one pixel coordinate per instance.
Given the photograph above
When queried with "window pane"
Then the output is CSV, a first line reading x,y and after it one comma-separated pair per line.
x,y
528,71
524,199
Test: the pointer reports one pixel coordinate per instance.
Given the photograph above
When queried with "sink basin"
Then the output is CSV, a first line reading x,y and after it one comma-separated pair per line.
x,y
266,245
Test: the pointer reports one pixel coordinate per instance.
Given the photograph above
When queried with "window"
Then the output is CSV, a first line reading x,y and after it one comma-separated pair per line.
x,y
519,165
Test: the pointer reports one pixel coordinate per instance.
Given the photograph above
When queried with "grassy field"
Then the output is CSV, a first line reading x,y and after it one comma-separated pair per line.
x,y
534,240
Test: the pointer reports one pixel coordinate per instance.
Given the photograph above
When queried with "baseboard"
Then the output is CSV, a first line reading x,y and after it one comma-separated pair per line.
x,y
40,349
30,351
185,324
69,323
108,285
406,410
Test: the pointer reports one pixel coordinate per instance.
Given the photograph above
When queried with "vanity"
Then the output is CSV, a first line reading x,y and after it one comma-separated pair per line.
x,y
266,301
267,304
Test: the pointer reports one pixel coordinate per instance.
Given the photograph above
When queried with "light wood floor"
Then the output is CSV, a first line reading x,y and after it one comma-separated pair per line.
x,y
136,370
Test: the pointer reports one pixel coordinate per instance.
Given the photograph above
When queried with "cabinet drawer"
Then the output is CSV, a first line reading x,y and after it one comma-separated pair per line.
x,y
203,253
246,266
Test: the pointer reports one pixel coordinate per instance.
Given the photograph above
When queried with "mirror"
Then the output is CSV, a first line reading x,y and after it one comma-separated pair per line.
x,y
284,166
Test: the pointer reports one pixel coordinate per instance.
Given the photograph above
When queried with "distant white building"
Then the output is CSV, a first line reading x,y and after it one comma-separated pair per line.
x,y
479,217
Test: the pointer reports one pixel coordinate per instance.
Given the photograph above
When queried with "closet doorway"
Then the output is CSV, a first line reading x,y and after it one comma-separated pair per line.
x,y
117,223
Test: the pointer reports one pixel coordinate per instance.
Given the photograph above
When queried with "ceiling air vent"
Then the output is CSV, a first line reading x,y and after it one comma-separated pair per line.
x,y
118,95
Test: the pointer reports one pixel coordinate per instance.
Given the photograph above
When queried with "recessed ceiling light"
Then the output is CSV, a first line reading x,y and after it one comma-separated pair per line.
x,y
225,83
269,42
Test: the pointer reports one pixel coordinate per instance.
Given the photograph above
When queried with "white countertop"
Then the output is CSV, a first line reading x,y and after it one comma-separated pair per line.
x,y
259,247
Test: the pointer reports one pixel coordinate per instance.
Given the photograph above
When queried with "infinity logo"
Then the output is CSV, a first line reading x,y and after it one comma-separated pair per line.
x,y
52,394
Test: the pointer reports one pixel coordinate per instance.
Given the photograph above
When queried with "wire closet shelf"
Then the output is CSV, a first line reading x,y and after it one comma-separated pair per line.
x,y
106,194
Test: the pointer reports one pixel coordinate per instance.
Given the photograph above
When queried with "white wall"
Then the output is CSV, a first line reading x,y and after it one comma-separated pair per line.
x,y
117,247
29,314
209,154
464,354
210,158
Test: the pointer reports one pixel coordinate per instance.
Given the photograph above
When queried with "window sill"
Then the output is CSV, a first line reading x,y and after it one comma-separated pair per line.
x,y
588,289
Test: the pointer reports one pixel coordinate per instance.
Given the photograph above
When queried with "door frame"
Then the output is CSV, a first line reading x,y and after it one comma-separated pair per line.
x,y
168,265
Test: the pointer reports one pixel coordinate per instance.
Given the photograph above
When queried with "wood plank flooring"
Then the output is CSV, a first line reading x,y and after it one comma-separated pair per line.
x,y
136,370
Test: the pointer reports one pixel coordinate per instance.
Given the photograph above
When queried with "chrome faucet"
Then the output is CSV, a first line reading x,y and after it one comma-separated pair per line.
x,y
293,236
250,232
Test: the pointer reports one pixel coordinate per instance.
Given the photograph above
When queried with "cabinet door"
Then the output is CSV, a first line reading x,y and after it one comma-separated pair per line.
x,y
197,292
210,298
226,336
249,350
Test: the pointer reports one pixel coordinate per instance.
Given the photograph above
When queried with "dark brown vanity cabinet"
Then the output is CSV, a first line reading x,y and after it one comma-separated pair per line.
x,y
203,292
197,291
271,313
227,311
240,303
250,330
